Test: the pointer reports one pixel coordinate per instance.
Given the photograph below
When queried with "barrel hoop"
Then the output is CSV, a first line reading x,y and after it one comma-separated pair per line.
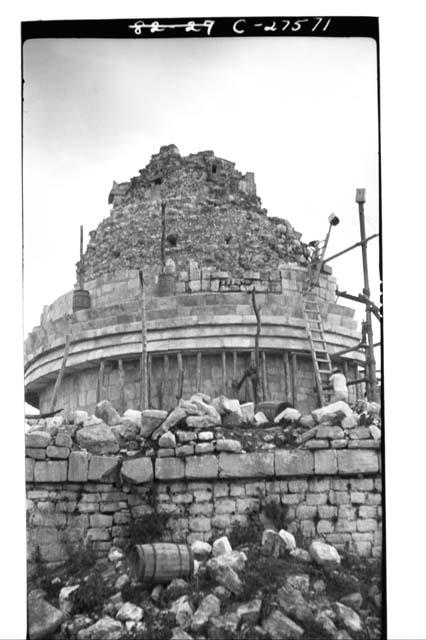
x,y
154,568
180,559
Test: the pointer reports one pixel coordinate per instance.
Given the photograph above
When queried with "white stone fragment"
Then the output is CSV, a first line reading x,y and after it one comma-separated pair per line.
x,y
288,538
221,546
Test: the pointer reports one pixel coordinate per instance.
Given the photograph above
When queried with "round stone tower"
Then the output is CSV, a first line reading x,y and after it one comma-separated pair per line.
x,y
196,228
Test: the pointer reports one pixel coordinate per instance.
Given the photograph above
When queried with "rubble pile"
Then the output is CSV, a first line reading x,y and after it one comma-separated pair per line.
x,y
213,216
268,590
201,425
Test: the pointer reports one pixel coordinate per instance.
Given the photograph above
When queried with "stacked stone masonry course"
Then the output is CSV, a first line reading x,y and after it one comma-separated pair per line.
x,y
74,496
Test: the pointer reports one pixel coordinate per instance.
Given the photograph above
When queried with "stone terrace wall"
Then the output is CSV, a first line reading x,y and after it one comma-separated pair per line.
x,y
74,496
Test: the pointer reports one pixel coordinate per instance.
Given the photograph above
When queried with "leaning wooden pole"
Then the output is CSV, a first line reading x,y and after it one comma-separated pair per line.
x,y
61,373
258,386
144,359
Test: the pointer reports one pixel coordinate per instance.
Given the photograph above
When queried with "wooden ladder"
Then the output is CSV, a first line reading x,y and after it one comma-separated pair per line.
x,y
317,344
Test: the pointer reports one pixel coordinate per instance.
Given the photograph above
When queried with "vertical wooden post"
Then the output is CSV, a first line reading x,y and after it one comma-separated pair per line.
x,y
294,378
180,375
264,378
198,384
149,395
287,378
163,236
259,386
166,382
143,360
224,372
100,385
234,365
61,372
122,386
356,378
81,270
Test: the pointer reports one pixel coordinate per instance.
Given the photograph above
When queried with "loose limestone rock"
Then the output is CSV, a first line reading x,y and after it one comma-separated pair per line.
x,y
324,554
171,421
249,612
201,549
65,602
209,606
348,617
106,627
288,539
43,618
260,419
335,411
98,439
272,543
221,546
151,419
247,411
289,415
106,412
134,416
280,627
225,575
183,611
129,611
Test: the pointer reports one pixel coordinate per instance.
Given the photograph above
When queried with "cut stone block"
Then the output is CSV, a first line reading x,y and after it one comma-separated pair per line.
x,y
138,470
293,462
353,461
206,466
51,471
37,439
78,466
249,465
325,462
169,468
103,468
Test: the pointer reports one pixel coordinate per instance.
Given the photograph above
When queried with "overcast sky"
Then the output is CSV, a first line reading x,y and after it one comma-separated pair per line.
x,y
300,113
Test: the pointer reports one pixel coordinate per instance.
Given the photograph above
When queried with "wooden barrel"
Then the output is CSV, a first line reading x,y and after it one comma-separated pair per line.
x,y
80,299
166,284
160,562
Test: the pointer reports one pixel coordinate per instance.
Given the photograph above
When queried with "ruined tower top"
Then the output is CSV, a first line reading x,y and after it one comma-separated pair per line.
x,y
212,212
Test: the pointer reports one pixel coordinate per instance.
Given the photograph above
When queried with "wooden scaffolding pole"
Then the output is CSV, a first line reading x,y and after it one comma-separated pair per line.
x,y
122,386
61,373
143,360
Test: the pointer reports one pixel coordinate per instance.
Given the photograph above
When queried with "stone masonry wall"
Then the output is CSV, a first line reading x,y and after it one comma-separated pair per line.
x,y
74,496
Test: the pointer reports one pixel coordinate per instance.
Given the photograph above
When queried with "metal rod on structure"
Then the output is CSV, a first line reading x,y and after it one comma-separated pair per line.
x,y
353,246
372,392
81,265
143,360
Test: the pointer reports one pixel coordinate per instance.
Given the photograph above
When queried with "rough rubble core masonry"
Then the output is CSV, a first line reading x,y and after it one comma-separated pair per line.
x,y
196,228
